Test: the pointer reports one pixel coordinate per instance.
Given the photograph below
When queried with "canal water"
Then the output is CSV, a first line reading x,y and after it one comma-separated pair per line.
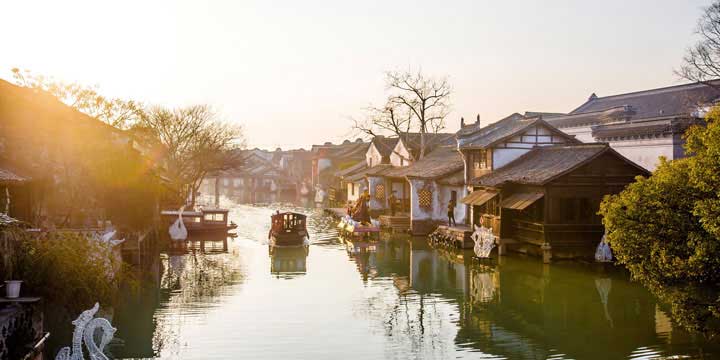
x,y
397,298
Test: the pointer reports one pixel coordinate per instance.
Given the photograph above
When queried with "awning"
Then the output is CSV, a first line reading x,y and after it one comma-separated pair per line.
x,y
521,201
478,197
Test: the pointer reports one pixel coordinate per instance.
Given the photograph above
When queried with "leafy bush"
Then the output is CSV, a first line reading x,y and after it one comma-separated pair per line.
x,y
70,270
666,229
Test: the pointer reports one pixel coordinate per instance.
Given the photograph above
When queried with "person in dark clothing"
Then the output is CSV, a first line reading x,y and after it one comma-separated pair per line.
x,y
451,213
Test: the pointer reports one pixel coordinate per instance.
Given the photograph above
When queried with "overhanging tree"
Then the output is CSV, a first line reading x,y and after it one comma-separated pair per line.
x,y
119,113
196,142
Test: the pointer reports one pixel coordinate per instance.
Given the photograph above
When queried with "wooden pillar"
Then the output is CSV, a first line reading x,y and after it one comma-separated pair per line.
x,y
547,253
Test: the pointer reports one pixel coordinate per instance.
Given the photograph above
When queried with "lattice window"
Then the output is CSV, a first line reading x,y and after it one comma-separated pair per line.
x,y
380,192
425,198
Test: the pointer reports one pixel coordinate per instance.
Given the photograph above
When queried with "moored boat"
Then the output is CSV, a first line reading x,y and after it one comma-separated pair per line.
x,y
203,221
288,229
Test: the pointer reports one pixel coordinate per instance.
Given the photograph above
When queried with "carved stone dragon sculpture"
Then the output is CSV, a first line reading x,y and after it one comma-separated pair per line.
x,y
85,327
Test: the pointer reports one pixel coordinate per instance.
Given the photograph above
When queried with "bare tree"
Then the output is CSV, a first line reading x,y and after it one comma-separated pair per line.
x,y
701,62
196,142
388,118
416,104
426,99
117,112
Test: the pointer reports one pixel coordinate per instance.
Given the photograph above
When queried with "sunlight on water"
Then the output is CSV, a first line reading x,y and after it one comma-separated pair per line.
x,y
395,298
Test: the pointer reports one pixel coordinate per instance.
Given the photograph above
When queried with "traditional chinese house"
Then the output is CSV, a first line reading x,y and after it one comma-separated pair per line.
x,y
642,125
432,183
393,155
547,199
487,149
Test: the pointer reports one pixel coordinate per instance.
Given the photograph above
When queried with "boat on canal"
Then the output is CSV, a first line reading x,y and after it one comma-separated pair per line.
x,y
288,229
205,221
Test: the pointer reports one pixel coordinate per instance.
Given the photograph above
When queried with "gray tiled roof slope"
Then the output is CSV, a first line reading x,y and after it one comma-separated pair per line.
x,y
667,101
8,176
432,141
543,164
385,145
443,161
360,166
501,130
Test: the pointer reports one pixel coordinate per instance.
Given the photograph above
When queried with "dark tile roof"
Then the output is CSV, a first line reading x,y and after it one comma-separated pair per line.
x,y
385,145
664,126
10,176
432,141
377,170
360,166
350,151
611,115
502,130
543,164
545,115
680,100
455,179
443,161
476,130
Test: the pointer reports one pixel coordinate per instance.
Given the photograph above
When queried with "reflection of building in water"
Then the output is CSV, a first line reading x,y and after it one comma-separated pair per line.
x,y
548,310
288,262
438,270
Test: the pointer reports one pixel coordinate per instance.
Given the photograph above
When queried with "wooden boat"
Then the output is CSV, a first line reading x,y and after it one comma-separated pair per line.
x,y
204,221
288,229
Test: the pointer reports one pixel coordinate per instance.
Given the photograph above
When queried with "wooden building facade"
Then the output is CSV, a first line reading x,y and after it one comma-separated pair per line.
x,y
546,201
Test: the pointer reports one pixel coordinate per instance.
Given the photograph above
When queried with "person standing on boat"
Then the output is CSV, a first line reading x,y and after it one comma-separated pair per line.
x,y
451,213
392,200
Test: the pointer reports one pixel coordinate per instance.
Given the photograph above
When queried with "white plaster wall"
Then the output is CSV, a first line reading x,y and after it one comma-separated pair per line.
x,y
395,157
646,152
503,156
582,133
440,207
373,156
441,197
353,196
416,212
374,203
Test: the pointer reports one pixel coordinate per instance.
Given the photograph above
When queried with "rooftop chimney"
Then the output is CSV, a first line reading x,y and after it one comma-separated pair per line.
x,y
478,119
462,122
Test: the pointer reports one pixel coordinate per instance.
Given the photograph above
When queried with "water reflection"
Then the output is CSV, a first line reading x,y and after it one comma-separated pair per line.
x,y
393,298
288,262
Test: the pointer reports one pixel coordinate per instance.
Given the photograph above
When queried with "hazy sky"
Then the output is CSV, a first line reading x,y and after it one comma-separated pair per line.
x,y
294,72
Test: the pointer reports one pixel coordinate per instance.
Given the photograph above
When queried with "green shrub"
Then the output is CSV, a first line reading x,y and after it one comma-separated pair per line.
x,y
70,270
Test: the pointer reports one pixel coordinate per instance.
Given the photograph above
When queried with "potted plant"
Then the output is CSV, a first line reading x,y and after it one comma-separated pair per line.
x,y
12,288
12,262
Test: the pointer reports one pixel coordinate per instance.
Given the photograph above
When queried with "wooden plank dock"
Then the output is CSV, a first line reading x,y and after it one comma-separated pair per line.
x,y
455,236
